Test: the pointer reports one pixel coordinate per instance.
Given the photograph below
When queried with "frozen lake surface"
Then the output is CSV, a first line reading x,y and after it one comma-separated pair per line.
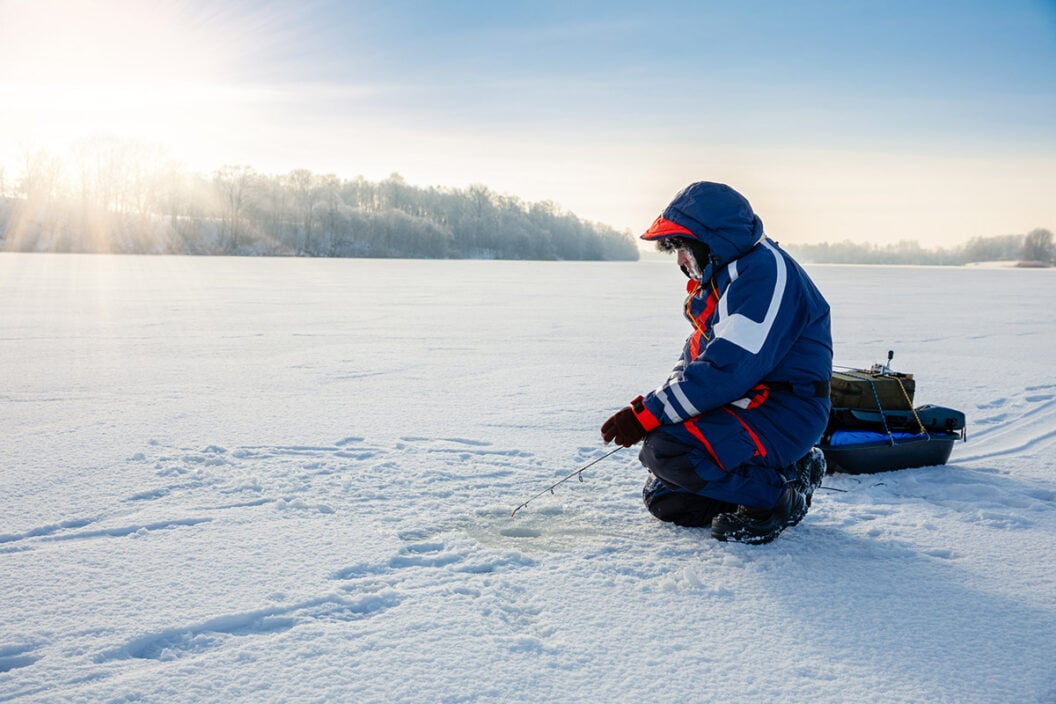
x,y
291,480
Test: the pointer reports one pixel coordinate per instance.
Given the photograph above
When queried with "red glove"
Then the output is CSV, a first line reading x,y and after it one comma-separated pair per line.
x,y
623,427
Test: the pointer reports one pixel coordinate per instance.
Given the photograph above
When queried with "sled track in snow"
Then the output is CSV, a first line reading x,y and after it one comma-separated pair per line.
x,y
1026,424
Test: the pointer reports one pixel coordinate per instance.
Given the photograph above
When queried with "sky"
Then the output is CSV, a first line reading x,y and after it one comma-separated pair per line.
x,y
872,122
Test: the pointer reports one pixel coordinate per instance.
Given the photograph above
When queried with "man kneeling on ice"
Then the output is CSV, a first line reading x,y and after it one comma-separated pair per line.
x,y
729,437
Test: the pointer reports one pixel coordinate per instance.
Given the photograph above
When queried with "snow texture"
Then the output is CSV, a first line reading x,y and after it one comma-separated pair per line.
x,y
291,480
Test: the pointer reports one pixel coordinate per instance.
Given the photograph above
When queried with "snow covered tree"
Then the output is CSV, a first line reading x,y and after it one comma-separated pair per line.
x,y
233,183
1038,247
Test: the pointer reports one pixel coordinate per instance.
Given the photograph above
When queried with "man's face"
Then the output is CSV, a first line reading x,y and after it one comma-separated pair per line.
x,y
688,264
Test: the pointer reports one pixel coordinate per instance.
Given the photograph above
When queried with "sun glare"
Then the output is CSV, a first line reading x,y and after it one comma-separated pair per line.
x,y
151,71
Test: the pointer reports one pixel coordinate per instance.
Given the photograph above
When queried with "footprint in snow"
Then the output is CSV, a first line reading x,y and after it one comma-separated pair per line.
x,y
174,643
13,657
1041,387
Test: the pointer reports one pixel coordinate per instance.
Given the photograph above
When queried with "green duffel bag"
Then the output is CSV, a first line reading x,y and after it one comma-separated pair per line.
x,y
872,390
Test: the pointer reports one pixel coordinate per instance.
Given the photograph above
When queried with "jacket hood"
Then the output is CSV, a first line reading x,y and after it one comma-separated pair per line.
x,y
714,214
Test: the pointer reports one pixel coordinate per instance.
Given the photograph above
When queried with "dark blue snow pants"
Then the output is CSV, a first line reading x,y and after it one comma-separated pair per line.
x,y
687,488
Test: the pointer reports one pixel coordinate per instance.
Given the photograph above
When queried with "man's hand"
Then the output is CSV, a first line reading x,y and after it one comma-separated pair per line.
x,y
623,427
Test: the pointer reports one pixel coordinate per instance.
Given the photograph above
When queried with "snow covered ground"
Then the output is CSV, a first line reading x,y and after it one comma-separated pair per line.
x,y
291,480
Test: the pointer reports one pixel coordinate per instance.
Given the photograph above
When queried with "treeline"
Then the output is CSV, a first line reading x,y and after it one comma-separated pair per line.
x,y
120,197
1035,247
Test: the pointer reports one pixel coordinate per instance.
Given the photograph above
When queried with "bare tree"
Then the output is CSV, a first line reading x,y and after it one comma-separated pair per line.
x,y
1038,247
395,189
147,166
41,178
306,195
37,221
233,183
329,188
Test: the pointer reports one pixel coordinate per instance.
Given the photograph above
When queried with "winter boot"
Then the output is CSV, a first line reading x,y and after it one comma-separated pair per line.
x,y
809,471
681,507
758,526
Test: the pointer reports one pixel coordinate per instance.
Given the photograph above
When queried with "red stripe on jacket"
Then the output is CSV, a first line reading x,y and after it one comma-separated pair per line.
x,y
760,451
692,428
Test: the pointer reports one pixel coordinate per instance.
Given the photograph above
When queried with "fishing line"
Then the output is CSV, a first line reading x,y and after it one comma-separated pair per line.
x,y
577,473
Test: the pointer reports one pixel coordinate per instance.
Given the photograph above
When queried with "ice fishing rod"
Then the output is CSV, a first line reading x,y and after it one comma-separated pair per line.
x,y
577,473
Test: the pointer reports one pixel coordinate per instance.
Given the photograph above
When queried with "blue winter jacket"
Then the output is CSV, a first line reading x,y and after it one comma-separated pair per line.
x,y
761,348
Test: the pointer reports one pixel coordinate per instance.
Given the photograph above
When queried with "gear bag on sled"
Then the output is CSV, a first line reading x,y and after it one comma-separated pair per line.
x,y
874,427
869,390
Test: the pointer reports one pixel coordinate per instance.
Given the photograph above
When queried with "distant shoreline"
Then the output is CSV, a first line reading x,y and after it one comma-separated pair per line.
x,y
648,258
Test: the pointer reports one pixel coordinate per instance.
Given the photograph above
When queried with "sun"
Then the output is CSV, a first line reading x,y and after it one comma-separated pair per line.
x,y
157,71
